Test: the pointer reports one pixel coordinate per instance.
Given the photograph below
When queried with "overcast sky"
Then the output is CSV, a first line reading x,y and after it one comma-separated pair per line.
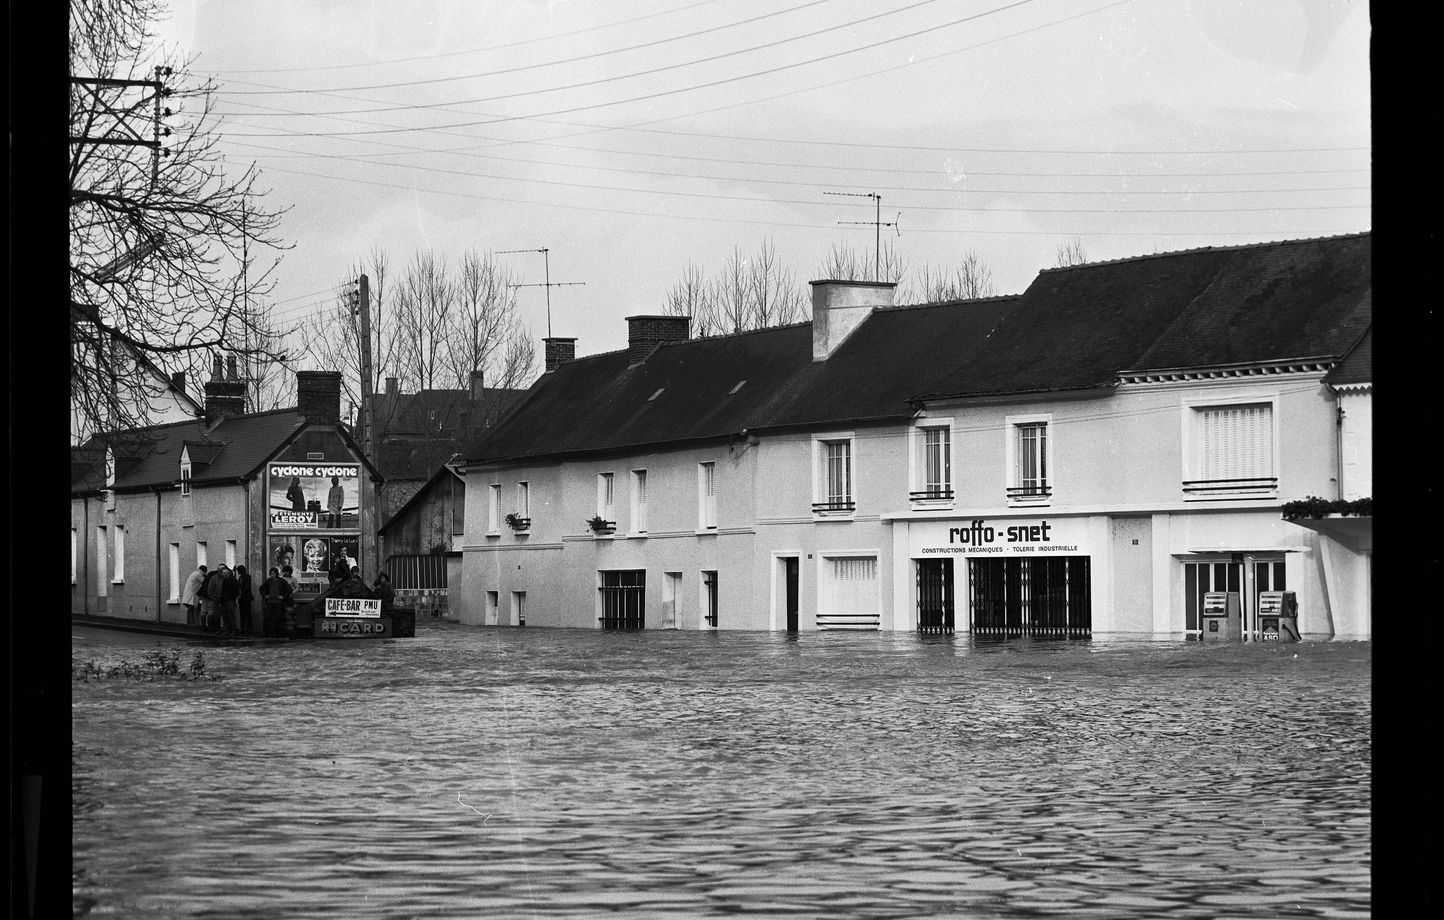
x,y
631,138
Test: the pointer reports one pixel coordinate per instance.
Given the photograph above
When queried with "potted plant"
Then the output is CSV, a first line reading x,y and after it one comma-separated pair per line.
x,y
517,522
601,526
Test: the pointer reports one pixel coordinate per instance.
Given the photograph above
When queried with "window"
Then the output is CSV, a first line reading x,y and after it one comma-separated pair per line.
x,y
639,501
102,569
623,599
231,553
1232,450
934,464
709,599
523,499
185,480
833,487
173,595
849,595
1029,460
493,508
118,535
606,495
74,547
201,553
707,496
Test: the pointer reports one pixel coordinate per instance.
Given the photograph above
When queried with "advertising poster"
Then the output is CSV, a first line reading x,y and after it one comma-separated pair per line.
x,y
311,557
346,550
323,496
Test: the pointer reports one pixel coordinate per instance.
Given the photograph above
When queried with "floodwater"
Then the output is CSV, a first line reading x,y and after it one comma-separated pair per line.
x,y
503,772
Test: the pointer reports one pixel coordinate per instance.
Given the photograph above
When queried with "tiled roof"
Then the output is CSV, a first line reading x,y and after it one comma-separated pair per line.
x,y
1078,327
238,446
420,431
716,387
1074,328
1358,364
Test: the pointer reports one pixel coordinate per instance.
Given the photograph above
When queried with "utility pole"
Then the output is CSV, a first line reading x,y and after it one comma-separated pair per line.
x,y
876,223
120,130
546,262
368,409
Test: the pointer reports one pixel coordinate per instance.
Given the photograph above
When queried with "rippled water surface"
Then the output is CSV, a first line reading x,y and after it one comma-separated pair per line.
x,y
475,772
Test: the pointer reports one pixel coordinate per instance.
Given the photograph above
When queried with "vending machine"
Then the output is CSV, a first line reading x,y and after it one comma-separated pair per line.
x,y
1222,617
1278,616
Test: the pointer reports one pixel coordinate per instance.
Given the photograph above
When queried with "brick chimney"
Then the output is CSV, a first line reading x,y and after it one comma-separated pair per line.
x,y
559,351
645,333
839,307
476,386
224,397
318,396
178,381
391,386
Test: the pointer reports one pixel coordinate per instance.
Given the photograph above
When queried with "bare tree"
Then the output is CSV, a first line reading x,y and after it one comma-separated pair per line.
x,y
425,309
692,296
971,279
844,263
161,240
776,300
1071,253
485,315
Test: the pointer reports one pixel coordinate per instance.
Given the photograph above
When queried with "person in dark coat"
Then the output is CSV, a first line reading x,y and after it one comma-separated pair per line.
x,y
275,595
226,605
210,600
244,598
296,495
384,590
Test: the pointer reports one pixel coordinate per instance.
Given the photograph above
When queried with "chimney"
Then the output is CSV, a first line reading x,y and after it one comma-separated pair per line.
x,y
224,397
178,381
391,386
839,307
318,396
476,385
645,333
558,352
231,367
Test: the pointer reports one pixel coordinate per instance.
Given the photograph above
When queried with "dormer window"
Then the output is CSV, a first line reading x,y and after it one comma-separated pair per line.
x,y
185,475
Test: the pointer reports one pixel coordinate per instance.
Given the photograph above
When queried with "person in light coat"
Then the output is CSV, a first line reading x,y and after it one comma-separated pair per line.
x,y
188,596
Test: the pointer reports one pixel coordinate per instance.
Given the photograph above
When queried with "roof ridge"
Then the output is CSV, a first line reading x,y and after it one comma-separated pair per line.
x,y
956,302
1181,252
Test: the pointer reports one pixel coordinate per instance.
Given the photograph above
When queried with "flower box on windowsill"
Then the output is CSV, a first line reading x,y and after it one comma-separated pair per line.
x,y
602,527
518,523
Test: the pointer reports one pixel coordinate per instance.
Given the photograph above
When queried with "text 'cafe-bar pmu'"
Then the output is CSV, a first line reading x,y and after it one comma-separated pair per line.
x,y
1074,575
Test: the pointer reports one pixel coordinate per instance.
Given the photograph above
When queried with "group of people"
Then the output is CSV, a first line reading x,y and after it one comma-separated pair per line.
x,y
220,601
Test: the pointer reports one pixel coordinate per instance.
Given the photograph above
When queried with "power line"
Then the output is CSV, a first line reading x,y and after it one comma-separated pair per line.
x,y
515,44
670,92
584,57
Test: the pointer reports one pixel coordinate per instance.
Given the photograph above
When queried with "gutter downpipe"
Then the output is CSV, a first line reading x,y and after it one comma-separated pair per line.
x,y
159,601
85,557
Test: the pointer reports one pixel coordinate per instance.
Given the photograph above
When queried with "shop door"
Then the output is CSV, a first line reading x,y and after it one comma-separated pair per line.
x,y
1031,596
935,595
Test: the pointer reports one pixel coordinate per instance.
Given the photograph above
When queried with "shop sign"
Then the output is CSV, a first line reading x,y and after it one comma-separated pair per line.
x,y
352,628
1005,537
353,607
314,495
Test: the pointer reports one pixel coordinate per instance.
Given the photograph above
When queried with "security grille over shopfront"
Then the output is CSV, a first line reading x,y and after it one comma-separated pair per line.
x,y
1031,596
624,599
935,595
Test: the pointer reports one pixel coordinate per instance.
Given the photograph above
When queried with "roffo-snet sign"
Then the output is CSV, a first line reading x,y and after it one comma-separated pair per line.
x,y
981,537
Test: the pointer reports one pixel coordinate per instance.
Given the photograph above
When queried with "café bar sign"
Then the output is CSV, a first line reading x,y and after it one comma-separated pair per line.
x,y
999,537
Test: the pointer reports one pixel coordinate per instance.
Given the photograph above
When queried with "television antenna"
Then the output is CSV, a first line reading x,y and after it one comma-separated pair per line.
x,y
548,284
876,223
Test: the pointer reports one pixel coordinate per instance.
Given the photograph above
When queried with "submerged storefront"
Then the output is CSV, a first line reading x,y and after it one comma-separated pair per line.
x,y
1002,576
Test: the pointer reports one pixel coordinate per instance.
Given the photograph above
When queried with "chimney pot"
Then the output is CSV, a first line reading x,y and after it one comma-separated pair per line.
x,y
216,372
645,333
839,307
559,351
231,367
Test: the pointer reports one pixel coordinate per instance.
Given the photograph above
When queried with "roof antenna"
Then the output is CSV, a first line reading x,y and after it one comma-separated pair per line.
x,y
548,284
876,223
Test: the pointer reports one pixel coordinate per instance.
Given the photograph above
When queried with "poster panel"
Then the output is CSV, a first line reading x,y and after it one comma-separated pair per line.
x,y
311,557
324,496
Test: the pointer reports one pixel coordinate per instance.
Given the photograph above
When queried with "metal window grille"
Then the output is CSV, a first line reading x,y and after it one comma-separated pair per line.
x,y
624,599
417,572
935,595
850,598
1032,596
709,585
